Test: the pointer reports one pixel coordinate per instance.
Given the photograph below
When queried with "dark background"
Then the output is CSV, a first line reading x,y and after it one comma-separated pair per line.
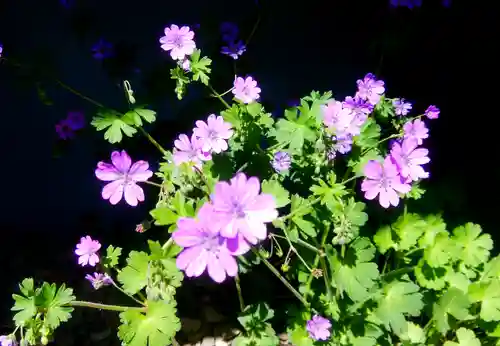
x,y
430,55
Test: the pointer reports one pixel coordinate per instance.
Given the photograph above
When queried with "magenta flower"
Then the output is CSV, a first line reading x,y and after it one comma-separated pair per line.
x,y
99,280
383,180
432,112
178,41
401,107
234,49
370,89
241,209
281,161
205,248
189,151
246,90
123,177
416,130
213,133
409,159
341,120
87,251
319,328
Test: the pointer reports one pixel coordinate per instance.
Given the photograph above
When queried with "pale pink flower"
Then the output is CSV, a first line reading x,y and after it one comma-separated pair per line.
x,y
416,130
383,180
214,133
342,120
246,90
124,177
178,41
205,249
87,251
318,328
189,151
409,159
240,208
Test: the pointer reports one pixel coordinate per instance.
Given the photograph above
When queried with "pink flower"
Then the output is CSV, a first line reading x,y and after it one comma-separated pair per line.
x,y
319,328
124,177
409,159
246,90
432,112
239,208
205,248
99,280
178,41
87,251
342,120
189,151
214,133
383,180
416,130
370,89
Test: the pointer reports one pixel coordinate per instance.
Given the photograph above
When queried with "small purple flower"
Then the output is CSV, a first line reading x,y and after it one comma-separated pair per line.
x,y
99,280
383,180
246,90
406,3
281,161
319,328
358,105
409,159
401,107
342,143
102,50
229,31
179,41
189,151
76,120
432,112
213,133
234,49
416,130
64,129
1,50
446,3
370,89
87,251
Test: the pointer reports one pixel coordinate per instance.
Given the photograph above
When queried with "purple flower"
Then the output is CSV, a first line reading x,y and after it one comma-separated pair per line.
x,y
234,49
370,89
1,50
185,64
343,143
102,50
281,161
178,41
240,208
406,3
319,328
432,112
99,280
205,248
409,158
246,90
123,177
416,130
383,180
213,134
401,107
76,120
340,119
358,105
229,31
189,151
64,129
446,3
87,251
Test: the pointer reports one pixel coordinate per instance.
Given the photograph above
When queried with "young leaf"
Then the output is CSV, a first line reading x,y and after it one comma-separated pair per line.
x,y
134,276
453,302
369,136
200,67
164,216
136,115
281,195
414,334
232,116
54,301
114,125
112,256
305,226
466,337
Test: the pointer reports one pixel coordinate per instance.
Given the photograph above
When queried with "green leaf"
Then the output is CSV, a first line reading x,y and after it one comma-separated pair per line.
x,y
358,164
254,315
164,216
354,212
112,256
488,294
134,276
280,194
399,298
435,226
300,206
54,301
232,116
414,334
492,269
299,336
452,303
402,235
200,67
431,277
473,247
156,327
466,337
330,191
27,287
305,226
137,114
369,136
114,125
294,133
354,274
254,109
439,253
26,308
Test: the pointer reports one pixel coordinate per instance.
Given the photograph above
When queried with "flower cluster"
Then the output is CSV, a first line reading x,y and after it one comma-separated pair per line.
x,y
234,47
208,137
74,121
226,226
87,252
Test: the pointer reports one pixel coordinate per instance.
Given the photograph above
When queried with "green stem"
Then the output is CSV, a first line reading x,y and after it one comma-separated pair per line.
x,y
127,294
152,183
224,93
397,272
240,295
218,96
318,258
326,277
282,279
78,303
168,243
77,93
348,180
302,243
152,140
396,135
296,211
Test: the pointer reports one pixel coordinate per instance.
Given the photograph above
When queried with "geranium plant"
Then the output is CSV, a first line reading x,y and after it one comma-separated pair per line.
x,y
244,188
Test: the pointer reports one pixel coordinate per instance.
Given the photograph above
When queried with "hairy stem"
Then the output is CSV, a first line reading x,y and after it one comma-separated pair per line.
x,y
318,258
78,303
127,294
296,211
152,183
152,140
240,295
218,96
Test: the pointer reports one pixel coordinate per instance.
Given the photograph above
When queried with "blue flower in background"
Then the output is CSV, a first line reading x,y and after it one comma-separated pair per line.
x,y
406,3
234,49
102,50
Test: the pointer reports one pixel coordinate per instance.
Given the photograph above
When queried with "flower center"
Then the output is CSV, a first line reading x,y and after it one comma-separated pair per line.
x,y
237,209
178,41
